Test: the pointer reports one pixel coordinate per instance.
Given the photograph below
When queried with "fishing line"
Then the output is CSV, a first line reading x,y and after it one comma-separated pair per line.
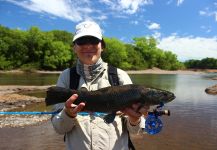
x,y
153,124
47,113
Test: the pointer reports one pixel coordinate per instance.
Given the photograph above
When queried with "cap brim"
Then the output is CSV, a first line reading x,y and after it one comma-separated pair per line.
x,y
99,36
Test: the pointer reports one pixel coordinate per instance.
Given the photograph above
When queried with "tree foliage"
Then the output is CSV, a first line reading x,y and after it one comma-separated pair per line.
x,y
115,53
206,63
51,50
155,57
57,56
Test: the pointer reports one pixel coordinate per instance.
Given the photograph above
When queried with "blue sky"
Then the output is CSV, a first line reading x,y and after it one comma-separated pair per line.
x,y
188,28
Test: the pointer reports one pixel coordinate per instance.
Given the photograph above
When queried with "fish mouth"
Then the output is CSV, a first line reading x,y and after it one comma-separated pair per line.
x,y
171,97
167,97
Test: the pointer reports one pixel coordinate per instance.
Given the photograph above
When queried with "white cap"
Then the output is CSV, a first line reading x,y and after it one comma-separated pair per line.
x,y
87,28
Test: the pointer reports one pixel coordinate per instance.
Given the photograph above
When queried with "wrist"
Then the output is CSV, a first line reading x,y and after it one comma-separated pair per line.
x,y
69,114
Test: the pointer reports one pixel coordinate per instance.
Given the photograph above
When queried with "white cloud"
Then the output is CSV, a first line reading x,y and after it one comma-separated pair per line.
x,y
131,6
156,35
169,2
135,22
179,2
83,9
210,12
126,6
153,26
61,8
207,29
190,47
103,17
202,13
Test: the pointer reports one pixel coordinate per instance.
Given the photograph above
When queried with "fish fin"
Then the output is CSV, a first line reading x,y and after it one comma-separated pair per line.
x,y
110,117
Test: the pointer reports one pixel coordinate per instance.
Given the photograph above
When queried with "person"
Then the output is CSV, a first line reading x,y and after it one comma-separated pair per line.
x,y
90,131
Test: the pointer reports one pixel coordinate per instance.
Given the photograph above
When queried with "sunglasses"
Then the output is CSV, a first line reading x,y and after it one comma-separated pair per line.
x,y
87,40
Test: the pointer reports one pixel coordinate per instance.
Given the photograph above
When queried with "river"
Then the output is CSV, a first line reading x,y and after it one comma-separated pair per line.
x,y
191,126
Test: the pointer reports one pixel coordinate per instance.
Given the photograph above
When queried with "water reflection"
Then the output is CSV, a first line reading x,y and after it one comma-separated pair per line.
x,y
192,124
28,79
166,82
36,93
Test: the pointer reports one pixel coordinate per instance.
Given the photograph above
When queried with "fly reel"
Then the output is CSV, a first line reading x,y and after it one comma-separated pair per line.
x,y
153,124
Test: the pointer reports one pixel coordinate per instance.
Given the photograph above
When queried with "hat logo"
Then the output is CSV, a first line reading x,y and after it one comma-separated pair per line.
x,y
87,29
87,25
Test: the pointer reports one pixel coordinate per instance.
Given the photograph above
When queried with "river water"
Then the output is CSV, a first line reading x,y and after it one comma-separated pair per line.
x,y
191,126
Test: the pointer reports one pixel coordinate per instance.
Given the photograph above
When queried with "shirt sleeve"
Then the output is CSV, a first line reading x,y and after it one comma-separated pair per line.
x,y
63,80
124,78
61,122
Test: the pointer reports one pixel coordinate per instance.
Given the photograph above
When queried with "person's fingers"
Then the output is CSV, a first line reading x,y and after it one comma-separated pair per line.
x,y
136,110
131,112
73,106
74,109
70,101
78,108
143,111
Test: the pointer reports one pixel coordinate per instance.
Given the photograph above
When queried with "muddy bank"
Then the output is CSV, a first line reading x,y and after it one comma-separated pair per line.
x,y
10,100
147,71
13,101
18,104
4,89
160,71
22,120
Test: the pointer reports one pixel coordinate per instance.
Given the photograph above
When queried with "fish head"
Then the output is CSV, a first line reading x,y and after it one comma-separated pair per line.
x,y
154,96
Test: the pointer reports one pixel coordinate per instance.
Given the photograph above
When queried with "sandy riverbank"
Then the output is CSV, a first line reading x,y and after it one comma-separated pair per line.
x,y
5,89
147,71
11,100
160,71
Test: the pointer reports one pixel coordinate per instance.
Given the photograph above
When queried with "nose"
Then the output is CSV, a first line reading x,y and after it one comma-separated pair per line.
x,y
88,45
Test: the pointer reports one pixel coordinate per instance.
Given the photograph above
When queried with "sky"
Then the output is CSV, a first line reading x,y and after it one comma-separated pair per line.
x,y
188,28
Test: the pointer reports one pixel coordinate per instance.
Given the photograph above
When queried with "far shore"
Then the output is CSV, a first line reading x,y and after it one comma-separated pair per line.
x,y
147,71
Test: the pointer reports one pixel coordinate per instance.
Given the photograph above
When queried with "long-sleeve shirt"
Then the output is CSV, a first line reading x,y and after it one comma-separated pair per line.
x,y
90,132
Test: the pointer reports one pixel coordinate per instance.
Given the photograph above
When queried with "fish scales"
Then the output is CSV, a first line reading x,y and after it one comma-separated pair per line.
x,y
107,99
110,99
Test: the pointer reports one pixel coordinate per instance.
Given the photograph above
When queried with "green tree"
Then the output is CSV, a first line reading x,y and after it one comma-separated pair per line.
x,y
115,53
208,63
13,48
147,47
63,36
51,50
35,41
58,56
192,63
134,58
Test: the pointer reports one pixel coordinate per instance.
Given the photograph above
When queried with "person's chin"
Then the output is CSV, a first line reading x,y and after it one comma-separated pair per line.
x,y
91,61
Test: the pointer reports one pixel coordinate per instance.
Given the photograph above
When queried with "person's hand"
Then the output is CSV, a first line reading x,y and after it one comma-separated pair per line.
x,y
72,109
134,114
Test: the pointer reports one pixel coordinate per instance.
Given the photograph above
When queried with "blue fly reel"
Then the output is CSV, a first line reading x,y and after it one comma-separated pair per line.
x,y
153,124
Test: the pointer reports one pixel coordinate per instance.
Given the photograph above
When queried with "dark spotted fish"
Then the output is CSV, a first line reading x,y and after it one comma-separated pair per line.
x,y
110,99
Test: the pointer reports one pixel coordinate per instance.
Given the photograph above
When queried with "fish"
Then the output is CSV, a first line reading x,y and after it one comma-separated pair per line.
x,y
110,99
